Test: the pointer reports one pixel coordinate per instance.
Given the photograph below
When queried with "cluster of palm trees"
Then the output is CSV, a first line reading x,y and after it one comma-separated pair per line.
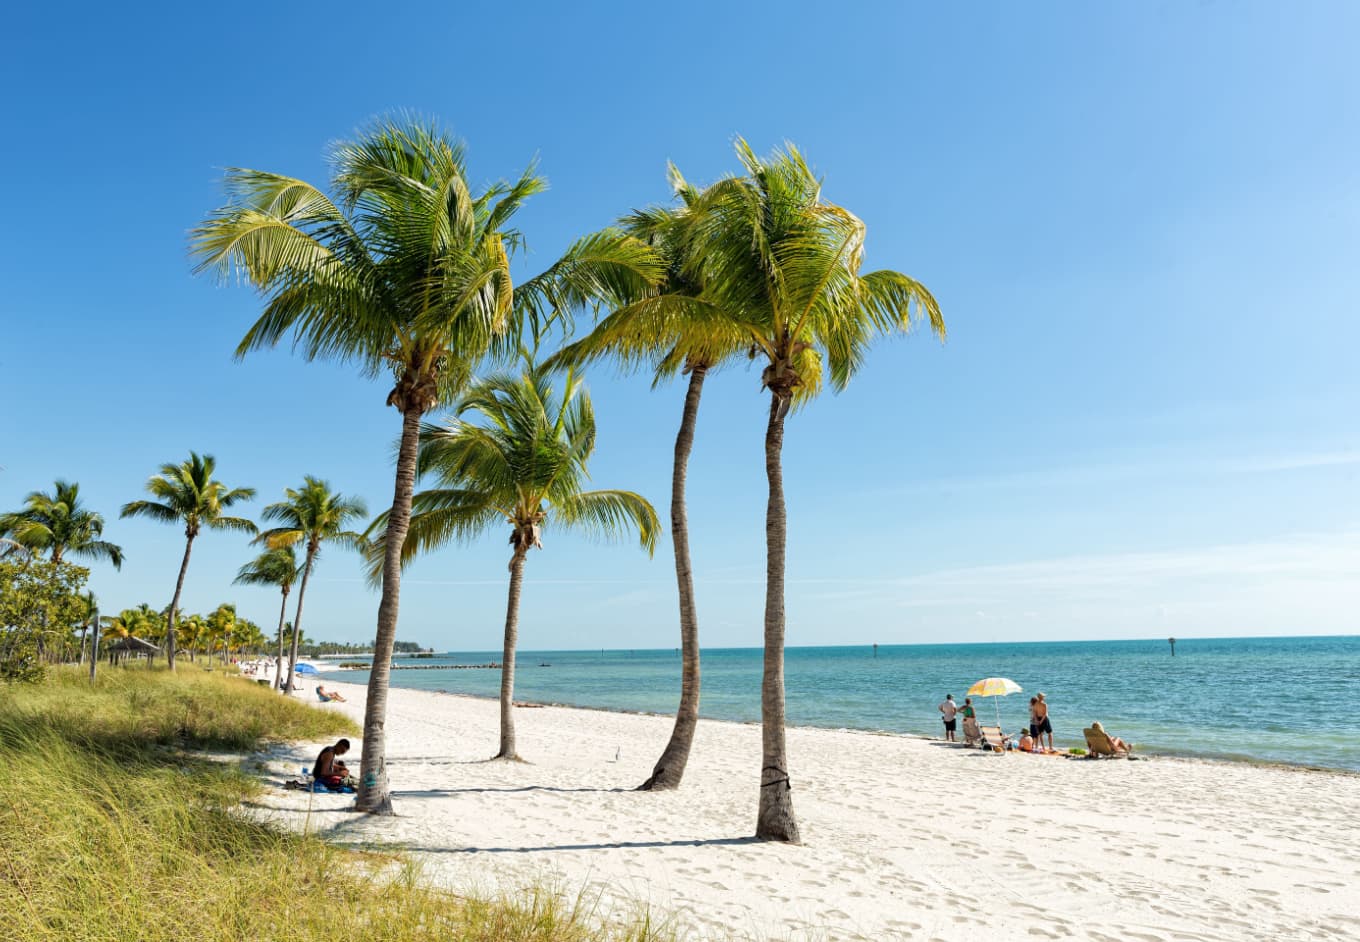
x,y
403,269
188,494
220,633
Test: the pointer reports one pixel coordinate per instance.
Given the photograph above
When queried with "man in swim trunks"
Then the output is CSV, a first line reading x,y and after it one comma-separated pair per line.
x,y
950,710
1040,722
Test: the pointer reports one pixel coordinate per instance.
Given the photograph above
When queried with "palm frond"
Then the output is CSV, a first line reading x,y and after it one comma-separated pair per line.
x,y
609,515
150,509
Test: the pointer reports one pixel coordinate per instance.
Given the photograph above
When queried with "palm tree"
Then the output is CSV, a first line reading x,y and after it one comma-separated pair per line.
x,y
89,620
219,627
189,630
57,523
673,329
406,273
784,265
313,514
522,463
275,567
151,626
187,493
130,623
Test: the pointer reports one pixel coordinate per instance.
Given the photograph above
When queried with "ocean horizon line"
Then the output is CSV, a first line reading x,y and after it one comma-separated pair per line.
x,y
871,645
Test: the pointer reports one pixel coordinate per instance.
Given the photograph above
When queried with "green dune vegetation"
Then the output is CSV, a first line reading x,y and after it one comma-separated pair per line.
x,y
116,827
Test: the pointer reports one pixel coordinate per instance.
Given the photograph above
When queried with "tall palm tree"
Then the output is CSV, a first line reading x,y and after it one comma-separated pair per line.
x,y
187,493
672,329
58,524
313,514
405,273
784,265
521,461
275,567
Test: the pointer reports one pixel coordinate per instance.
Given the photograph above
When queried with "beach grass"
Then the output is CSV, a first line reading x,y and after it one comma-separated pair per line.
x,y
113,828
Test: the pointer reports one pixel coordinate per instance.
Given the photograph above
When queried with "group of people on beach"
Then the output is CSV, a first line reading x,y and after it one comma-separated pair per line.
x,y
1031,739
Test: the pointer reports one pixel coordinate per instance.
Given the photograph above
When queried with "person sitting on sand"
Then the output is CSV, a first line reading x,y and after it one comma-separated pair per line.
x,y
1026,742
1119,744
328,696
329,770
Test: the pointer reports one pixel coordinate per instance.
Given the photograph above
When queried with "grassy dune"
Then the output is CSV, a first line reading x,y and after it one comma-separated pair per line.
x,y
111,829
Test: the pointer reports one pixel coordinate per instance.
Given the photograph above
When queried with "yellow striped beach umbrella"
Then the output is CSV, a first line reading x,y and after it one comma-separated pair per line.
x,y
994,687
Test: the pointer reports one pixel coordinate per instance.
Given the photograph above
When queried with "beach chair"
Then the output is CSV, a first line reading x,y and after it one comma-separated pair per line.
x,y
993,738
321,696
1099,746
972,736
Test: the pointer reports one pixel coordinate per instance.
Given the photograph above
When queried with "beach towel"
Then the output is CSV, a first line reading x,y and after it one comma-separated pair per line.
x,y
320,788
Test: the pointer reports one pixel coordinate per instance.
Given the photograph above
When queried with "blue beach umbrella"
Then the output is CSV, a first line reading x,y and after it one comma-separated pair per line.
x,y
306,669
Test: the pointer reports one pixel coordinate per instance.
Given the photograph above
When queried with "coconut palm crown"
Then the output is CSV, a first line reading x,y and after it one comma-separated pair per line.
x,y
58,524
516,453
188,494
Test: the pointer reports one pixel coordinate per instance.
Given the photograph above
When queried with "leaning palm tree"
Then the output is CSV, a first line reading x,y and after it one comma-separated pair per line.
x,y
275,567
312,515
784,265
672,329
407,274
56,523
520,461
187,493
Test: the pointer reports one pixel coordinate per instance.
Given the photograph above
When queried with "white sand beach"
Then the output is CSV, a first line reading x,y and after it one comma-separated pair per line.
x,y
904,838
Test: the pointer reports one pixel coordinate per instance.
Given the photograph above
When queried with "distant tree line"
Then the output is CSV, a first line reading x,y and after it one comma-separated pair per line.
x,y
318,648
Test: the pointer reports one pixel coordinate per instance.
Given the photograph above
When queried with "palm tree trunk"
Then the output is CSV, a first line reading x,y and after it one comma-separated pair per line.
x,y
508,656
278,665
774,820
374,795
174,604
94,647
670,768
297,619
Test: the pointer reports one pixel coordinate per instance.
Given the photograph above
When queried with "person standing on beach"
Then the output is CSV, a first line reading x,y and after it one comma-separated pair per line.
x,y
1040,722
950,709
970,727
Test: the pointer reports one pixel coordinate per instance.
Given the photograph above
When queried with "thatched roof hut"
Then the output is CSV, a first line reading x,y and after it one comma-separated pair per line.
x,y
129,647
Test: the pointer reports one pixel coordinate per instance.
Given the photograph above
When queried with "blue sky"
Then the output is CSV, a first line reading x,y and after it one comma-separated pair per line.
x,y
1141,220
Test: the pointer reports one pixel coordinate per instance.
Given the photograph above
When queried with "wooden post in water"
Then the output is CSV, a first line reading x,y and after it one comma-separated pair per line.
x,y
1173,646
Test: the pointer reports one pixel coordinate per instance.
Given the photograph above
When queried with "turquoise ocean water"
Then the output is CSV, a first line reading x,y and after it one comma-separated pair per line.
x,y
1292,700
